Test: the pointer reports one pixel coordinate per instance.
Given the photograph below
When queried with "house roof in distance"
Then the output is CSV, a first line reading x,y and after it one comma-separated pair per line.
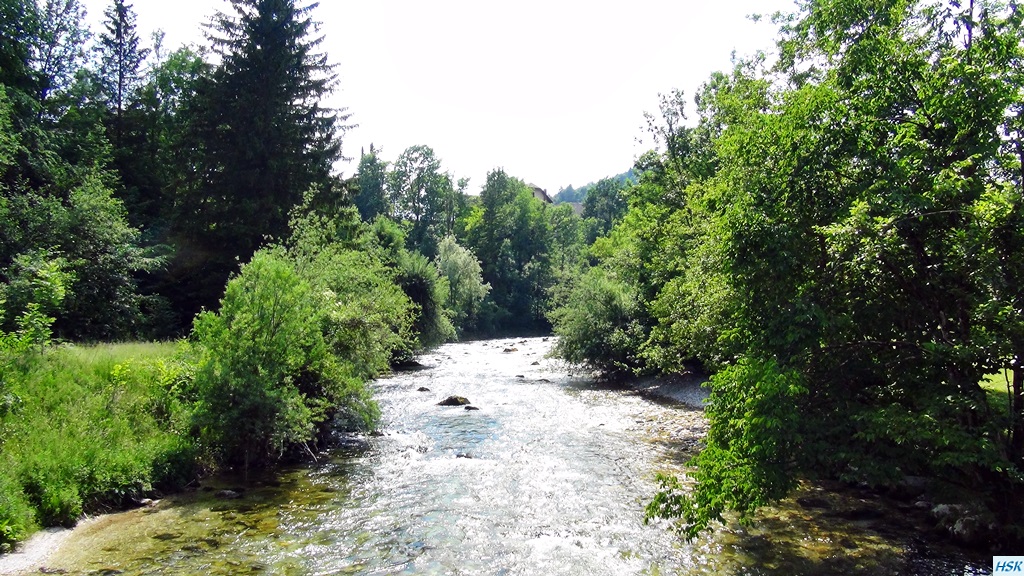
x,y
540,194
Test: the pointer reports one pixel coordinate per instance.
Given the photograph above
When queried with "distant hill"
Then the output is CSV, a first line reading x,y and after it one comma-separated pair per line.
x,y
576,195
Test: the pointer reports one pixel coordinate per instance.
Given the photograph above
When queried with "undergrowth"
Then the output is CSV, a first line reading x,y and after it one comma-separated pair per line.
x,y
90,428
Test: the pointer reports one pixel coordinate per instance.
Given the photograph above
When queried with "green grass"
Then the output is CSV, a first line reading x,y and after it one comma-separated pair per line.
x,y
88,428
136,351
995,388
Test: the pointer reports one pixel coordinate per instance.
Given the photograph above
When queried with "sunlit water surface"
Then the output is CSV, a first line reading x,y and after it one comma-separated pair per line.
x,y
549,476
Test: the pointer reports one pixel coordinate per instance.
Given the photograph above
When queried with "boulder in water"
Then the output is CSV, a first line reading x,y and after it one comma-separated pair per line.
x,y
471,408
510,350
227,495
967,525
407,366
453,401
423,389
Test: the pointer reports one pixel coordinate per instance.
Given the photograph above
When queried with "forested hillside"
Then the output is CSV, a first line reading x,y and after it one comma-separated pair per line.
x,y
570,194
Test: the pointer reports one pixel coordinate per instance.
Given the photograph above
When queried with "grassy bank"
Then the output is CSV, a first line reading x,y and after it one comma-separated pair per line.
x,y
89,428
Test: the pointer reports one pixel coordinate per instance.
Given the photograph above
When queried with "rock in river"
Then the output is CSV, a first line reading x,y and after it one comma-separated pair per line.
x,y
471,408
453,401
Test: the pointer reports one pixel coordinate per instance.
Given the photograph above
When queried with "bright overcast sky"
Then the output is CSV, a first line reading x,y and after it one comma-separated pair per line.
x,y
552,91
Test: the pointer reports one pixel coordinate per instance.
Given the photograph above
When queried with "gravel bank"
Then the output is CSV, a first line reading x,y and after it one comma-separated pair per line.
x,y
686,389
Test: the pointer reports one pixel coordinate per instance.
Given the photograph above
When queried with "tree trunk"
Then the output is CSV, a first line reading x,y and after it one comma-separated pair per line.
x,y
1017,413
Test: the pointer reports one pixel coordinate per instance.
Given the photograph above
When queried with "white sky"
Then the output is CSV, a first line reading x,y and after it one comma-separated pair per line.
x,y
553,91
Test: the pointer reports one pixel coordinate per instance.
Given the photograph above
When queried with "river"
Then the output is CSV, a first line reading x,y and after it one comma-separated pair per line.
x,y
549,476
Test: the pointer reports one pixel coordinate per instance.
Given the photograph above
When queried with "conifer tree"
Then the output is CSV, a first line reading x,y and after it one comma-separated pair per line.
x,y
120,61
265,138
371,177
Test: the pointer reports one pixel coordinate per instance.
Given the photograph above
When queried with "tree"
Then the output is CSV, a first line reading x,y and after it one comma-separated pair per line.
x,y
466,288
568,194
18,22
159,147
453,205
263,136
371,178
57,210
859,222
606,203
598,325
568,240
511,234
417,191
120,63
423,283
57,50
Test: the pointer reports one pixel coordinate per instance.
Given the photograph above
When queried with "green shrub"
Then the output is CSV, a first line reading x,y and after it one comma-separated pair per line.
x,y
280,359
466,288
17,517
599,326
753,443
255,348
422,283
364,316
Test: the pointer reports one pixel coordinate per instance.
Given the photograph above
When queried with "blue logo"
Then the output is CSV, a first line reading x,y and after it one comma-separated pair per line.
x,y
1008,565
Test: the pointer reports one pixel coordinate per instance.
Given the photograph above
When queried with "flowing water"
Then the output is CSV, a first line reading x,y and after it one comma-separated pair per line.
x,y
549,476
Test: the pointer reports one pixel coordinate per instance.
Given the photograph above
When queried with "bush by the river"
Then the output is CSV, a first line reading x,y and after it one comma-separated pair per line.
x,y
281,357
599,326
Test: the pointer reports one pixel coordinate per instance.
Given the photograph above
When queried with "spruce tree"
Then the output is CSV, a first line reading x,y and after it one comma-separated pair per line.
x,y
262,136
267,138
120,62
371,180
120,80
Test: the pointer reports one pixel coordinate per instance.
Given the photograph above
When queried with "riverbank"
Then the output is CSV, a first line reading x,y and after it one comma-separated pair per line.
x,y
687,389
31,555
88,429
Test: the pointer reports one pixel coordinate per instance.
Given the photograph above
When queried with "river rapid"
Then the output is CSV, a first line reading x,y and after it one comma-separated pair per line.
x,y
549,476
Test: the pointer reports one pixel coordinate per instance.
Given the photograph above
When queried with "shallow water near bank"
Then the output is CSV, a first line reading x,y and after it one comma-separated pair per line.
x,y
549,476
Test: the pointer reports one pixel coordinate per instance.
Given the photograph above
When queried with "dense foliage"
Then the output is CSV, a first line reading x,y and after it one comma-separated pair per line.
x,y
510,232
836,239
273,373
466,288
85,429
494,252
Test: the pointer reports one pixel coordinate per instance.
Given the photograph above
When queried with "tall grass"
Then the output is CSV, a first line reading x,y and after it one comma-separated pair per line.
x,y
88,428
996,387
